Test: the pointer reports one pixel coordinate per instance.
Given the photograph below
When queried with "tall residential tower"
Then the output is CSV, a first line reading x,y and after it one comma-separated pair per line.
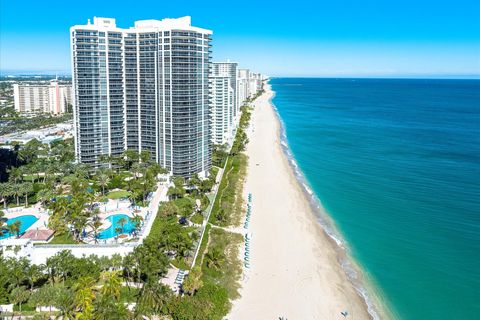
x,y
143,88
225,110
223,102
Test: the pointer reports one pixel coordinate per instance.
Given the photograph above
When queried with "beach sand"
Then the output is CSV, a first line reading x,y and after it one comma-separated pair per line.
x,y
294,272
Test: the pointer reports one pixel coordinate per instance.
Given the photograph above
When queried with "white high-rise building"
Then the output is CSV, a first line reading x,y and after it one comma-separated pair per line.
x,y
243,86
52,98
143,88
255,83
249,84
225,110
229,69
222,109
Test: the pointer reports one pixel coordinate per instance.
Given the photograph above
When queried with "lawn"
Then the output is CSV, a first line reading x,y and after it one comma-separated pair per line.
x,y
65,238
118,194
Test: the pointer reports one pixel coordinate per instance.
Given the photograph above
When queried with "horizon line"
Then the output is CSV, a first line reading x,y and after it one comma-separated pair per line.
x,y
33,72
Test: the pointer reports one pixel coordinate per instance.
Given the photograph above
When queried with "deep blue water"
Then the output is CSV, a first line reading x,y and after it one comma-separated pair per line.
x,y
396,164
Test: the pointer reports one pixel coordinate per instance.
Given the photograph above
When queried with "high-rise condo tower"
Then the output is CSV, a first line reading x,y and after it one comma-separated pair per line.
x,y
143,88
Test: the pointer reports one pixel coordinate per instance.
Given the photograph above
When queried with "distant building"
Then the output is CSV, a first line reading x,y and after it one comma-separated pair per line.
x,y
143,88
249,84
52,98
243,86
255,83
229,69
222,109
225,109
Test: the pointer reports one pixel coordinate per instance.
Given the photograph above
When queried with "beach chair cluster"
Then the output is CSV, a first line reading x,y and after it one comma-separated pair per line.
x,y
180,277
248,236
249,212
246,258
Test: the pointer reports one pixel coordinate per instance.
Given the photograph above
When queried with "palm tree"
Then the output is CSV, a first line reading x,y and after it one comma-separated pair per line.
x,y
6,191
17,191
2,223
84,296
44,296
27,188
35,169
137,170
19,295
116,261
112,283
96,226
193,281
215,259
81,171
152,299
64,302
122,222
129,265
137,223
103,180
118,231
14,228
145,156
33,274
45,195
129,157
15,174
50,170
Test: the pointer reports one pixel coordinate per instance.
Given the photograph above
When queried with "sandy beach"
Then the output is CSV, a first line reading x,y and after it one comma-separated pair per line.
x,y
294,270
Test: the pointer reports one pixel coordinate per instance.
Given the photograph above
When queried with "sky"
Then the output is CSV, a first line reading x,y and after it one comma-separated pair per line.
x,y
335,38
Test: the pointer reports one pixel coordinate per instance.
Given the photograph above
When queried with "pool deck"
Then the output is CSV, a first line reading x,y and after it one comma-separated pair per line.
x,y
116,207
110,208
35,210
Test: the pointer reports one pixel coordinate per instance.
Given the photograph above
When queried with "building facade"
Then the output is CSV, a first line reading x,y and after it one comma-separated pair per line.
x,y
223,98
229,69
249,84
52,98
143,88
243,86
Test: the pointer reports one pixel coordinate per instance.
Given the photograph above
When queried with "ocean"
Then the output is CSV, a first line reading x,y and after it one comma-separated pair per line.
x,y
395,164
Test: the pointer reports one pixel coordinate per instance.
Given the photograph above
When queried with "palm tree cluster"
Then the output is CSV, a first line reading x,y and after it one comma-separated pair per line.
x,y
89,287
241,138
98,287
46,173
35,170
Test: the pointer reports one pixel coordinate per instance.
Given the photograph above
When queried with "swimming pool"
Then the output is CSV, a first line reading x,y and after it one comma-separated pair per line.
x,y
110,232
26,222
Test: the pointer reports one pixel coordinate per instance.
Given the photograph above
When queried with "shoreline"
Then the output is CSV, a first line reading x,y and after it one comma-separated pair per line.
x,y
329,289
362,283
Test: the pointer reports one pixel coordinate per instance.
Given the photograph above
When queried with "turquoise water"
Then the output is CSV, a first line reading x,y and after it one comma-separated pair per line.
x,y
396,164
26,222
110,232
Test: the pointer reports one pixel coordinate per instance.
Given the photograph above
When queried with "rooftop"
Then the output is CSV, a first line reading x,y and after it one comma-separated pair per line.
x,y
182,23
38,235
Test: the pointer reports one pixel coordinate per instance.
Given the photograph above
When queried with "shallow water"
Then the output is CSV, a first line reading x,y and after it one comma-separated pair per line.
x,y
396,165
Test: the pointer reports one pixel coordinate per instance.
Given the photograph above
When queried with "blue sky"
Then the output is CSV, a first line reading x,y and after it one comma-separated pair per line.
x,y
295,38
